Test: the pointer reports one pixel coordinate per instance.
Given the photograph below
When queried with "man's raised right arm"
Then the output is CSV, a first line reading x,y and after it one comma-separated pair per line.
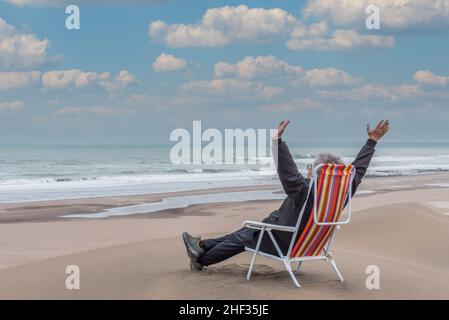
x,y
292,181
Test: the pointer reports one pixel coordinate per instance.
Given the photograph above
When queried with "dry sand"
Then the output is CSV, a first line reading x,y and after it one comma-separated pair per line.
x,y
397,228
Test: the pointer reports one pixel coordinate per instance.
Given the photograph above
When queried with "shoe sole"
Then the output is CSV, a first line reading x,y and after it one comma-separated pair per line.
x,y
193,268
191,253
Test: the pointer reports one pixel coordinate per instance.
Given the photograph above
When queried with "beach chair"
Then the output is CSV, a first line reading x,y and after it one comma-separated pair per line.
x,y
332,185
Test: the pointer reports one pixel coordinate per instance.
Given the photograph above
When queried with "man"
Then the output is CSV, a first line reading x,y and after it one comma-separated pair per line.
x,y
211,251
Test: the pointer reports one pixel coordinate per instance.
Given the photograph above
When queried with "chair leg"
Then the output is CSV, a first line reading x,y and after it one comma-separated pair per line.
x,y
253,260
289,269
334,266
298,267
251,266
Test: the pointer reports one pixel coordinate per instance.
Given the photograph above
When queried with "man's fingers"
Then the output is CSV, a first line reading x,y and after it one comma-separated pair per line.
x,y
281,127
379,124
385,127
368,128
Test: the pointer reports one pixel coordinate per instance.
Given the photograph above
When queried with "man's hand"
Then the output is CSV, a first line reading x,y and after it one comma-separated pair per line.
x,y
378,132
281,128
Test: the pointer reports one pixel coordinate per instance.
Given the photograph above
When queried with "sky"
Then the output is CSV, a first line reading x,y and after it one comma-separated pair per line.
x,y
136,70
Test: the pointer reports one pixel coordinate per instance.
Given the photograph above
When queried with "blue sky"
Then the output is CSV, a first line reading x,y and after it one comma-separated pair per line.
x,y
136,72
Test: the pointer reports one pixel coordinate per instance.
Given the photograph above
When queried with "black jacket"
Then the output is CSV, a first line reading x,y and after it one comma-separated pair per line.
x,y
296,188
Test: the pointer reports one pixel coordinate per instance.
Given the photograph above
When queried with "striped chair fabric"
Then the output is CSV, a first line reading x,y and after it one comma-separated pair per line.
x,y
332,194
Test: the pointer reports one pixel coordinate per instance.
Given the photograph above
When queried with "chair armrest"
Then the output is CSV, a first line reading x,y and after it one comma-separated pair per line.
x,y
267,226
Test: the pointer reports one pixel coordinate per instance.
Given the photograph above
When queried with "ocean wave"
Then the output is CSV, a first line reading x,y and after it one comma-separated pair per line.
x,y
402,172
184,175
200,170
135,175
303,156
44,181
189,175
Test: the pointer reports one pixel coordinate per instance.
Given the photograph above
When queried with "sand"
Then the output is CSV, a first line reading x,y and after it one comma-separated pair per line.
x,y
402,229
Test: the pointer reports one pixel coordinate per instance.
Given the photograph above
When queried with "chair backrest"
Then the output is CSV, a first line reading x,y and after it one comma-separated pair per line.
x,y
332,191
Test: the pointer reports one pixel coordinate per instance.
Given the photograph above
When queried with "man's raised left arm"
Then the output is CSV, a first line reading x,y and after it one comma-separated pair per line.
x,y
363,159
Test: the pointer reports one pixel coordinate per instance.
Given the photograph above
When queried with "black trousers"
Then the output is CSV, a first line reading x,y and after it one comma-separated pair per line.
x,y
222,248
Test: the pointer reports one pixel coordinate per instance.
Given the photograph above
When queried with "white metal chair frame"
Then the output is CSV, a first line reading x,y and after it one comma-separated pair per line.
x,y
286,259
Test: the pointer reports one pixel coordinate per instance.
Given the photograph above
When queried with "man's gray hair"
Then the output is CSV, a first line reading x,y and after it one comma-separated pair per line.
x,y
326,157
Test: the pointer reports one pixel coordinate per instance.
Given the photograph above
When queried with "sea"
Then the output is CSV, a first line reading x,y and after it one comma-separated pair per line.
x,y
53,171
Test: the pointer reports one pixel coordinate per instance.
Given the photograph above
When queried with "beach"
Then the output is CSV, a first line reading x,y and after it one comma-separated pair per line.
x,y
126,124
399,224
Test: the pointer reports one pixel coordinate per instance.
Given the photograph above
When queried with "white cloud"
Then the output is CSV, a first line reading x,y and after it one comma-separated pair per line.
x,y
19,50
217,85
256,67
268,92
234,87
313,30
267,68
168,62
340,39
428,78
163,102
79,79
395,14
328,77
123,80
137,98
36,3
12,106
24,3
14,80
97,110
72,78
220,26
266,77
64,79
371,91
291,106
180,35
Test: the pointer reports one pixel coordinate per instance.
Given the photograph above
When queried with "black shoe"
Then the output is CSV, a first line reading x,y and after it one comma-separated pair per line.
x,y
192,245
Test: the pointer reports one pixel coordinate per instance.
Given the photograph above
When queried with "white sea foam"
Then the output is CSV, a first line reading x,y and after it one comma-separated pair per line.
x,y
441,185
116,186
181,202
362,192
440,204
